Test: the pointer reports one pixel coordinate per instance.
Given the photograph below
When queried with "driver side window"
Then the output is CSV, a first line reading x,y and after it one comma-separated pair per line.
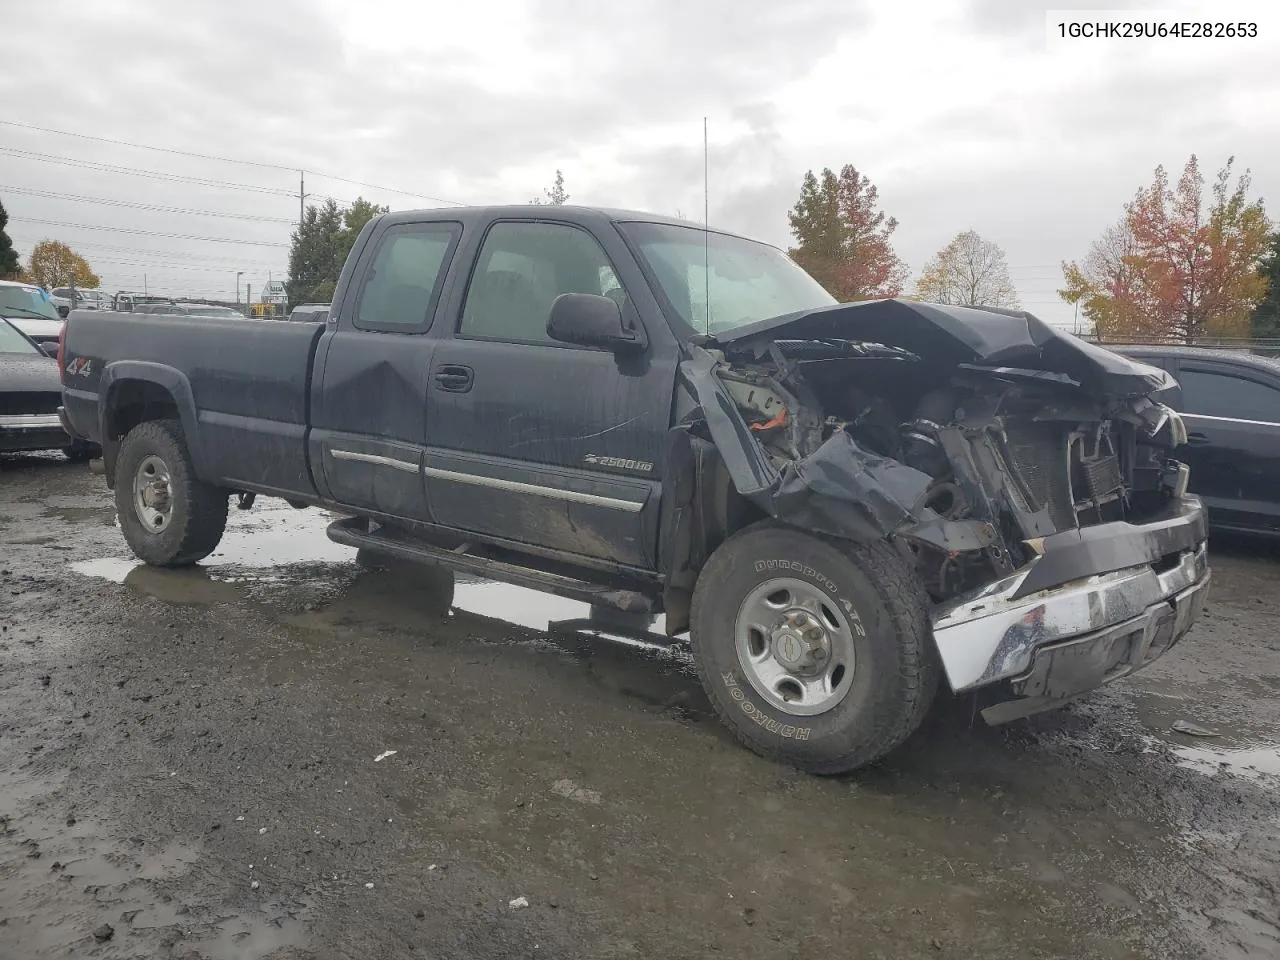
x,y
521,270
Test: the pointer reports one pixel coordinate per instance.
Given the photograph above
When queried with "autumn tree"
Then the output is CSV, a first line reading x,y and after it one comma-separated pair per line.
x,y
968,272
320,246
1186,268
1266,316
54,264
842,238
555,194
1108,287
10,265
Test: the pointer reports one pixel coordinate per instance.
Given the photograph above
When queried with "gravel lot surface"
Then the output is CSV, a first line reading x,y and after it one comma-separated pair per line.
x,y
280,754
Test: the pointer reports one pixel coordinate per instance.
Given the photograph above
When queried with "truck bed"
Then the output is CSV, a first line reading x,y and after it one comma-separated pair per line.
x,y
240,386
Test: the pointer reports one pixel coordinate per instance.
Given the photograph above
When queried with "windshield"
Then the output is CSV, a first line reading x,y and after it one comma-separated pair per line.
x,y
27,302
11,341
746,281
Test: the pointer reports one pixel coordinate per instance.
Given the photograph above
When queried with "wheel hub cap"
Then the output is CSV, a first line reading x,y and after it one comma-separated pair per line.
x,y
795,646
153,494
800,643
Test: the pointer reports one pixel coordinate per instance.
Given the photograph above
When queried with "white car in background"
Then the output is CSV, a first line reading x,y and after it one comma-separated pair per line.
x,y
30,309
66,299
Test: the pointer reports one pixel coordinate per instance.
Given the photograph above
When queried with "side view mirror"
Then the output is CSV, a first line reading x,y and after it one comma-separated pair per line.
x,y
591,321
50,350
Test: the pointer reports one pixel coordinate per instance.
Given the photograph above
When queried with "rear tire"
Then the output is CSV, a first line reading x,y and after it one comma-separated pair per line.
x,y
826,705
168,516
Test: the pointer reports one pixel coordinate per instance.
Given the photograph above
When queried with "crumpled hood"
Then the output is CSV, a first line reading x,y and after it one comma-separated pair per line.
x,y
963,335
20,373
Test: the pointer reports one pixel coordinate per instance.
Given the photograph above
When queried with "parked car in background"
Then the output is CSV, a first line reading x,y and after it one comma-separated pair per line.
x,y
66,299
186,310
310,312
29,308
30,394
126,302
210,310
1230,402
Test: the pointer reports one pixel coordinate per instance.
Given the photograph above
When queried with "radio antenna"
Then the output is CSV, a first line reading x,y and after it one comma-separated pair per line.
x,y
706,224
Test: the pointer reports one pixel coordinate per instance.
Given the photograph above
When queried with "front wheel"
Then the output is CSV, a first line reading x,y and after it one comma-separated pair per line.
x,y
813,652
169,517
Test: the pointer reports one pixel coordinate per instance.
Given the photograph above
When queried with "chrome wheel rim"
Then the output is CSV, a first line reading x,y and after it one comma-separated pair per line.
x,y
796,646
153,494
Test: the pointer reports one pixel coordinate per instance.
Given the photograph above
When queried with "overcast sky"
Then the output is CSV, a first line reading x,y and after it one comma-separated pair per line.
x,y
962,113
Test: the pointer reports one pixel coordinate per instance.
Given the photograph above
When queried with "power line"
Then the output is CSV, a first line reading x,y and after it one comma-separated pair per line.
x,y
374,186
184,267
50,194
206,156
143,146
147,233
90,245
149,174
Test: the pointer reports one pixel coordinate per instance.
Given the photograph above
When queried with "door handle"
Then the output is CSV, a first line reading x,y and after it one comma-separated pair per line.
x,y
1196,439
455,377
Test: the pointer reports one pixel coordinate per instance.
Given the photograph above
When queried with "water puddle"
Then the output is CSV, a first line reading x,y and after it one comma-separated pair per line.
x,y
262,544
546,613
1250,762
115,569
190,586
277,535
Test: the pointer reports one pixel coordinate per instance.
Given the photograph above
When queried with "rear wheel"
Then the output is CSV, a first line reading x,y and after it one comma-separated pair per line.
x,y
813,651
169,517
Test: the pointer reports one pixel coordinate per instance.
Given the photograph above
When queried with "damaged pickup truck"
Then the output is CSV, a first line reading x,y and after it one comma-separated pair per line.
x,y
841,504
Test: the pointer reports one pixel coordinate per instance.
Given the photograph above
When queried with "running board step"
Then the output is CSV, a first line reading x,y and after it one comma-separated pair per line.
x,y
351,532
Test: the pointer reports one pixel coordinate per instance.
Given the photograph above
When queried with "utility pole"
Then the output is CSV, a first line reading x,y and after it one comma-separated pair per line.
x,y
144,285
302,197
239,274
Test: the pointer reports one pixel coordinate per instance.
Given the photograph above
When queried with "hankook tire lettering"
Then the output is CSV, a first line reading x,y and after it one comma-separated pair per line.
x,y
784,730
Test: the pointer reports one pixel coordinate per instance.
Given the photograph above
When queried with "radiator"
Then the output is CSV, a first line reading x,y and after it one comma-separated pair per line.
x,y
1039,455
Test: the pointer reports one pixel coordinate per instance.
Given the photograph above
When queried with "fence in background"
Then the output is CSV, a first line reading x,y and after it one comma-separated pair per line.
x,y
1262,346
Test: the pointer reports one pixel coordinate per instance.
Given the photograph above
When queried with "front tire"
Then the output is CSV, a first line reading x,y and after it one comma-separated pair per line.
x,y
169,517
814,652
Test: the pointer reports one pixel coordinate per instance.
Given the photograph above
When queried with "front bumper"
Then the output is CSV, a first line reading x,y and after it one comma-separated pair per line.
x,y
32,431
1146,587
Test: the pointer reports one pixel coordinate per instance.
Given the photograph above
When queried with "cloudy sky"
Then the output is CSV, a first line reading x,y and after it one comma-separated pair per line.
x,y
965,113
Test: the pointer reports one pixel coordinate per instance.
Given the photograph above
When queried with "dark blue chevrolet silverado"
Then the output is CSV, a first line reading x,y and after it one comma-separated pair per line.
x,y
841,504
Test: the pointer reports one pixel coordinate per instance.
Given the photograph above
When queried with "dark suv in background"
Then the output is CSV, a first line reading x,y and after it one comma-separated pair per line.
x,y
1230,402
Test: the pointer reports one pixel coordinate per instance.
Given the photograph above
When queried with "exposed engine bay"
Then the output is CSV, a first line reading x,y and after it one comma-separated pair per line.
x,y
966,465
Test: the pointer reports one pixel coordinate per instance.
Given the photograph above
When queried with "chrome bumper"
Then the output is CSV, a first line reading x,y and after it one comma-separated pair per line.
x,y
1056,643
30,421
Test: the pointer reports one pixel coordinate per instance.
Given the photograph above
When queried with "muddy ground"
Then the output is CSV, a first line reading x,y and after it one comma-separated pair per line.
x,y
189,766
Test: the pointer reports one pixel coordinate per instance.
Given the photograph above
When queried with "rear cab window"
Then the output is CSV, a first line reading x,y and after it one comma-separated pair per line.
x,y
401,285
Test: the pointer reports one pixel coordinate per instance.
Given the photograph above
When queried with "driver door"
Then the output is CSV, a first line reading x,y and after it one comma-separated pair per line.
x,y
538,441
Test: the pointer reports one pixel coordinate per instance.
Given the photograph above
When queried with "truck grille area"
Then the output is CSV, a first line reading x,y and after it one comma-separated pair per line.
x,y
1038,452
17,404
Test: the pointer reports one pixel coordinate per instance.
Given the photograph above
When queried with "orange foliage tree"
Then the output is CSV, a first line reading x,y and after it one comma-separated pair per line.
x,y
842,237
1176,268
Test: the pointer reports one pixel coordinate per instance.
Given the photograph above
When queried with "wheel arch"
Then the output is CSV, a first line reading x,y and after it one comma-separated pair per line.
x,y
701,509
135,392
